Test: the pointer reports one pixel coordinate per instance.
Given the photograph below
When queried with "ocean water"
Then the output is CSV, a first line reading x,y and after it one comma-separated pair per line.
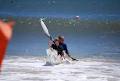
x,y
96,33
95,43
62,8
83,37
94,39
31,68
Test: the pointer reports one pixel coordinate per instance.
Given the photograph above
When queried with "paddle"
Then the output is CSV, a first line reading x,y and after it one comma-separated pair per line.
x,y
45,29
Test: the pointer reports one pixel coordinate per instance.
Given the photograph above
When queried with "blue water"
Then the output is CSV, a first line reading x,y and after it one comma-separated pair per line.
x,y
96,33
59,7
83,37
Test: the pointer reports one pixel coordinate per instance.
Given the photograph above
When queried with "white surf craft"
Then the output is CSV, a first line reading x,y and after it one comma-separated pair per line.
x,y
53,58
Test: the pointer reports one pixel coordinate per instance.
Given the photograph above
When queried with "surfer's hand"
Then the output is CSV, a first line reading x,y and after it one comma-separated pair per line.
x,y
50,43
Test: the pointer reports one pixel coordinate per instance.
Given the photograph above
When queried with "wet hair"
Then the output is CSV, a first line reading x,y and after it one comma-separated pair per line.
x,y
61,37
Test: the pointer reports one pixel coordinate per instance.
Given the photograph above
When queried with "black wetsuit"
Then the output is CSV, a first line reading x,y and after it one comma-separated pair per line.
x,y
58,49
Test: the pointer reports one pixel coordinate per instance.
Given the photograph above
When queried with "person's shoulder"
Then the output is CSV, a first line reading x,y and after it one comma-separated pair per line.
x,y
64,44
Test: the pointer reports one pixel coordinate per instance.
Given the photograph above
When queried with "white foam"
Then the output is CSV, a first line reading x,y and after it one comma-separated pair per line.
x,y
33,69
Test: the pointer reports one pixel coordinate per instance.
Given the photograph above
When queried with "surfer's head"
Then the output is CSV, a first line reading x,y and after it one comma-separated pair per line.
x,y
61,39
56,41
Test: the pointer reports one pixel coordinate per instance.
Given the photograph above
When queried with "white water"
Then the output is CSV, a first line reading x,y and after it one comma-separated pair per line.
x,y
53,58
19,68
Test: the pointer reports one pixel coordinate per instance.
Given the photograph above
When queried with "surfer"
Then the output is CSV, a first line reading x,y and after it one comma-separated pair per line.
x,y
64,46
57,44
57,47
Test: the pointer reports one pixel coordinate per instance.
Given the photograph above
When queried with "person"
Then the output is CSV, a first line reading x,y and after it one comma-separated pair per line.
x,y
57,47
5,36
64,46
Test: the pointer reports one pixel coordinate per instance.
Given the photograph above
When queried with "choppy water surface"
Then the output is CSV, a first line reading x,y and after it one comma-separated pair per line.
x,y
33,69
82,36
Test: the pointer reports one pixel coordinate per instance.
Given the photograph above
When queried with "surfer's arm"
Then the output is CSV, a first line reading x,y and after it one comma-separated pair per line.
x,y
50,43
65,48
